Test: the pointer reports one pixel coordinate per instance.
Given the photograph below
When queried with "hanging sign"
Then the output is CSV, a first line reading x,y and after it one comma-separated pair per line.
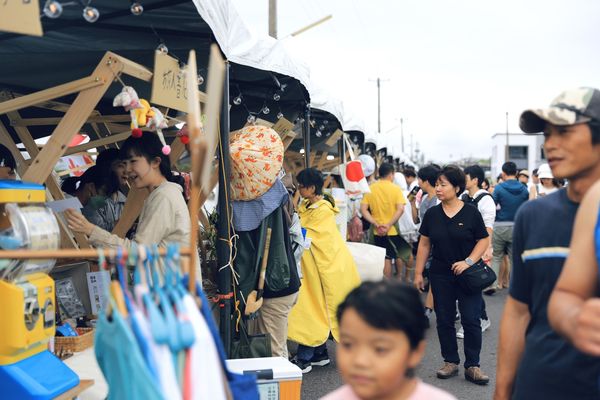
x,y
169,83
21,16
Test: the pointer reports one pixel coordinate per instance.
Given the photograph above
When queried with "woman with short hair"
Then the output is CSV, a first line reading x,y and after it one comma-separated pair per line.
x,y
457,238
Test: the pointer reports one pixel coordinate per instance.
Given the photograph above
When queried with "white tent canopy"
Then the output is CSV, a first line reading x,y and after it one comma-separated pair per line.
x,y
241,46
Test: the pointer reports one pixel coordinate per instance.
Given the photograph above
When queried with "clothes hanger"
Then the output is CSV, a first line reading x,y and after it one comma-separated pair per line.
x,y
165,307
186,329
122,271
158,326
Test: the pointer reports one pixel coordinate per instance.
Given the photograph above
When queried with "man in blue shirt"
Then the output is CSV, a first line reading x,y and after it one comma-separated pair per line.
x,y
534,362
509,195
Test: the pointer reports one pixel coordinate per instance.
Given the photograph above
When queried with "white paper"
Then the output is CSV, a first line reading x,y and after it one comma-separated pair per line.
x,y
62,205
98,289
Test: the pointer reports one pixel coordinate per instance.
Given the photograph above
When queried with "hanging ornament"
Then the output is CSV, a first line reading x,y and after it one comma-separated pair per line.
x,y
318,133
162,48
91,14
266,110
200,80
136,8
279,115
52,9
276,97
237,100
251,119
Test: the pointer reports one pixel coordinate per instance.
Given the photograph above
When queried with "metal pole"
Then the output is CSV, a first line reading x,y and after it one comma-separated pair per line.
x,y
506,152
378,105
402,134
306,134
223,228
273,18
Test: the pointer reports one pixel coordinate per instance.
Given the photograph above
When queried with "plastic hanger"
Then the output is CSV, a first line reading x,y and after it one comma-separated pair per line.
x,y
158,326
122,271
174,341
185,327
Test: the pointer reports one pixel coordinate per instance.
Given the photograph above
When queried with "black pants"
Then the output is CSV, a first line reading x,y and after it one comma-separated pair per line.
x,y
446,291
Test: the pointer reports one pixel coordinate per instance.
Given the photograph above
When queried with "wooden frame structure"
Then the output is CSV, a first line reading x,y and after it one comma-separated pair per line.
x,y
90,91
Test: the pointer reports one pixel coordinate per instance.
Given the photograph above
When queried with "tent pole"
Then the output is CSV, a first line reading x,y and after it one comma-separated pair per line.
x,y
307,136
223,229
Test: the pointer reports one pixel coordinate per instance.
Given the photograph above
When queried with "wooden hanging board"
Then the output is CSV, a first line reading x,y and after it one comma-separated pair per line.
x,y
20,16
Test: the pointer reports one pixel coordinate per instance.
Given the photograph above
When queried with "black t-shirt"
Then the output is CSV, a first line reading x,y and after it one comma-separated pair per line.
x,y
452,239
550,368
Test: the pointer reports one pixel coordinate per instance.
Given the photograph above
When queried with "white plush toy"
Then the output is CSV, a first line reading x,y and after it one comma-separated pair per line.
x,y
128,99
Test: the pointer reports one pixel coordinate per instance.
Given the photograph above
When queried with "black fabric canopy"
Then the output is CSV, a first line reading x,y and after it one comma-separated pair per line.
x,y
72,47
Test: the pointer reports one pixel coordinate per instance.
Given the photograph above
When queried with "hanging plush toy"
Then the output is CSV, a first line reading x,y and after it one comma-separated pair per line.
x,y
158,122
128,99
139,109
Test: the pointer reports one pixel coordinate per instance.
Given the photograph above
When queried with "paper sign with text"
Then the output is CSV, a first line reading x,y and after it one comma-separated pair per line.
x,y
169,83
20,16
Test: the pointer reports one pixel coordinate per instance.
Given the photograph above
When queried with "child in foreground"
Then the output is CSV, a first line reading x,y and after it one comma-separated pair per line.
x,y
382,334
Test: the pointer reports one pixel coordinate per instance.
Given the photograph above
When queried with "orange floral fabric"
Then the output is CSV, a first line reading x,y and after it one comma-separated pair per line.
x,y
256,159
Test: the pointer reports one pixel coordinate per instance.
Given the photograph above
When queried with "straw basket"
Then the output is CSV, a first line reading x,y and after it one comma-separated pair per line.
x,y
75,344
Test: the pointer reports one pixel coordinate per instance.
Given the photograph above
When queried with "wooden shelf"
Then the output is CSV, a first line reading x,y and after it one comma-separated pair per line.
x,y
74,392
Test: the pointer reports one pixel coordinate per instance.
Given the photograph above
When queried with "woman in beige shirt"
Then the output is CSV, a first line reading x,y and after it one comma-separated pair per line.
x,y
164,217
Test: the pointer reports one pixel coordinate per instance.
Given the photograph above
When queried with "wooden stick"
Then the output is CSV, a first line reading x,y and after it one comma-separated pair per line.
x,y
62,253
194,125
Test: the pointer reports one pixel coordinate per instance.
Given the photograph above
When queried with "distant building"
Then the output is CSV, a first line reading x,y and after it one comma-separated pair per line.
x,y
524,150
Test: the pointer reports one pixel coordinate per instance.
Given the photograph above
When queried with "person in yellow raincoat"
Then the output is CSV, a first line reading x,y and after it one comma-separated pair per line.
x,y
329,274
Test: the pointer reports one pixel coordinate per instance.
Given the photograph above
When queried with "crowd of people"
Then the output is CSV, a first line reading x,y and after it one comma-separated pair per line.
x,y
436,224
526,227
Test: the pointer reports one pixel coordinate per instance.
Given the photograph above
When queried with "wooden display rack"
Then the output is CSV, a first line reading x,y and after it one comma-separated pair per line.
x,y
90,91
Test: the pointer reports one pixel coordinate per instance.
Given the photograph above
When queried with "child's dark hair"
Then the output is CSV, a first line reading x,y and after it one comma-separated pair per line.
x,y
388,305
311,177
429,173
150,147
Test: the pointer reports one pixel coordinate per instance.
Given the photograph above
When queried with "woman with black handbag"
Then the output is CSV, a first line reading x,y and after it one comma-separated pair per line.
x,y
458,239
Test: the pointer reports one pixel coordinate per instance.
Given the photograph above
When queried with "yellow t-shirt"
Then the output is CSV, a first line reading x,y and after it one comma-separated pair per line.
x,y
383,202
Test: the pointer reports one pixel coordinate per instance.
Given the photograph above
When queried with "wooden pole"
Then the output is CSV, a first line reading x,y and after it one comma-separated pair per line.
x,y
68,253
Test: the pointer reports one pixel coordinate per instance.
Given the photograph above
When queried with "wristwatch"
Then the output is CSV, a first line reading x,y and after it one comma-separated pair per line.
x,y
469,262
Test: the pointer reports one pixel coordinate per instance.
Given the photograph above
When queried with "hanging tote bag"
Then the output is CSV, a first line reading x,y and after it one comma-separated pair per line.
x,y
251,346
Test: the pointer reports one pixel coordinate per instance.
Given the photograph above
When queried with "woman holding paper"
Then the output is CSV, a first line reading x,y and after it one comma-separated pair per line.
x,y
164,217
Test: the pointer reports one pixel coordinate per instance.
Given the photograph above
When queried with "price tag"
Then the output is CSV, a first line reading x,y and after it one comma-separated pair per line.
x,y
169,83
21,16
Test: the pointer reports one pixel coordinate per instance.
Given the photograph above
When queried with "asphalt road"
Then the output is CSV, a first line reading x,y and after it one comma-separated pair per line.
x,y
323,380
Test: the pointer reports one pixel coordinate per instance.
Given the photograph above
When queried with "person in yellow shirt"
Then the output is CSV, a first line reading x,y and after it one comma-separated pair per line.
x,y
383,207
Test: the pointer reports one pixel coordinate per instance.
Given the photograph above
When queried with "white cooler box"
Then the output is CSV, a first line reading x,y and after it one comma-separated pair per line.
x,y
278,379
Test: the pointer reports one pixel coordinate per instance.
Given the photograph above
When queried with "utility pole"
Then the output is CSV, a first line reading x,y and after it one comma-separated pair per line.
x,y
402,134
506,152
378,80
378,105
273,18
412,152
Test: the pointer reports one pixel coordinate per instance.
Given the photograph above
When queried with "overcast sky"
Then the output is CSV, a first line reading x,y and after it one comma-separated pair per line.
x,y
454,68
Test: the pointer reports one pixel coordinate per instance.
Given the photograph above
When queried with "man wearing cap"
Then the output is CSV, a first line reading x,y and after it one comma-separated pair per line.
x,y
7,164
534,362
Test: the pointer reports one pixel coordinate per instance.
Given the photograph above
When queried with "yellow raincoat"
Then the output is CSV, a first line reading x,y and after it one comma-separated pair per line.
x,y
329,274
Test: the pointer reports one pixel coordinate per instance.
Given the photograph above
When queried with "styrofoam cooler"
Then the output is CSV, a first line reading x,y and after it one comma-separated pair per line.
x,y
369,260
278,378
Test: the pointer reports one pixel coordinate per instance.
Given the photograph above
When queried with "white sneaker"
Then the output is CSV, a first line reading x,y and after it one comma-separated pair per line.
x,y
485,324
460,334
